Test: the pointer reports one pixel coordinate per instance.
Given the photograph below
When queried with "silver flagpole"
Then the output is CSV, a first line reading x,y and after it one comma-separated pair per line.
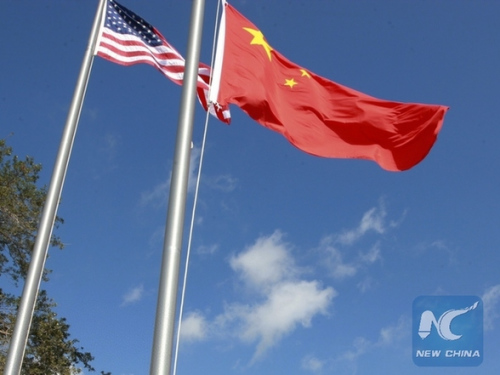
x,y
161,356
35,272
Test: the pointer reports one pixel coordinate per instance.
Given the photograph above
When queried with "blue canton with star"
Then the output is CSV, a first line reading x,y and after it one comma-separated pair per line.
x,y
123,21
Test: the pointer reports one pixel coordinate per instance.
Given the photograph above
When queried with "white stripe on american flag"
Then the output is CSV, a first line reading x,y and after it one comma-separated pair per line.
x,y
128,47
147,59
130,50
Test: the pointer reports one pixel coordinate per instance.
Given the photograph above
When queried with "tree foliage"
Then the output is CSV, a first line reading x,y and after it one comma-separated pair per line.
x,y
21,203
50,349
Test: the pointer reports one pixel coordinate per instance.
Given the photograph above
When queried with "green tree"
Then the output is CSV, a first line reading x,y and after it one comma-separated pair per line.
x,y
21,203
50,349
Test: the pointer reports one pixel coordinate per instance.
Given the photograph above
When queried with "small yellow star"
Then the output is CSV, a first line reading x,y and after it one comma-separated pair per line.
x,y
305,74
258,38
290,82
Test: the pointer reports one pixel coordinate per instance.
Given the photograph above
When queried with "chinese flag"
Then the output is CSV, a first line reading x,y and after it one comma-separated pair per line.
x,y
316,115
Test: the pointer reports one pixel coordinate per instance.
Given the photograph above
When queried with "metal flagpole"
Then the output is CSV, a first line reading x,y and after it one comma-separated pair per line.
x,y
35,272
161,356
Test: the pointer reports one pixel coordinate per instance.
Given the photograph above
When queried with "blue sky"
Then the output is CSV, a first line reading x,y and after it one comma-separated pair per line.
x,y
299,265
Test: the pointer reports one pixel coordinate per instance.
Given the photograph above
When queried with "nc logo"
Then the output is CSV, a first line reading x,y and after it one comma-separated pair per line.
x,y
443,324
447,331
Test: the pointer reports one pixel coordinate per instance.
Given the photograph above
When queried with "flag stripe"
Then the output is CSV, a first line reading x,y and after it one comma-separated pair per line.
x,y
127,53
127,39
126,50
116,57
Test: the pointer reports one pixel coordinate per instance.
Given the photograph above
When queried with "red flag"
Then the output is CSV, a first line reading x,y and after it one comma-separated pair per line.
x,y
316,115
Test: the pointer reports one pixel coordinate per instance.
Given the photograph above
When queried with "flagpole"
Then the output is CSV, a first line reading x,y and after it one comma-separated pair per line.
x,y
35,272
161,357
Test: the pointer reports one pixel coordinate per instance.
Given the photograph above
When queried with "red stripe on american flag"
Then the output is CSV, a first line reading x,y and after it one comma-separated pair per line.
x,y
129,50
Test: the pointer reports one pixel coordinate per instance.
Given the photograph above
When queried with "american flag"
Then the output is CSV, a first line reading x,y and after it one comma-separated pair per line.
x,y
127,39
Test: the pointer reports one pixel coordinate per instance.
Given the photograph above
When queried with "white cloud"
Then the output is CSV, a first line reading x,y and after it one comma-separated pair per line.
x,y
133,295
372,220
438,246
391,335
343,263
334,261
111,142
225,183
207,250
491,298
158,195
365,284
282,300
194,162
311,363
156,238
360,346
287,305
194,327
372,255
264,263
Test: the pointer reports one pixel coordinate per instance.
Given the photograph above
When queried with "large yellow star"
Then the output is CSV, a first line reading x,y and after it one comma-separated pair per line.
x,y
290,82
258,38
